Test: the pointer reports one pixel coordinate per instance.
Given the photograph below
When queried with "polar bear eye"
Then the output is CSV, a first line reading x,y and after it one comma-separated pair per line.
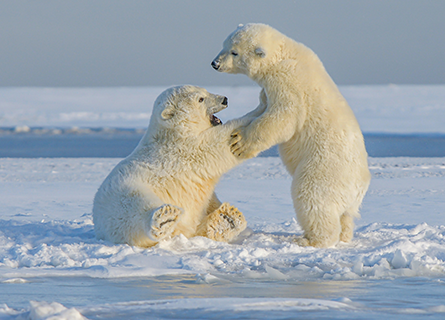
x,y
234,53
201,99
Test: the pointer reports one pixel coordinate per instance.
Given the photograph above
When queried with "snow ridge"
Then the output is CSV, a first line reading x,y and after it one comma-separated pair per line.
x,y
69,248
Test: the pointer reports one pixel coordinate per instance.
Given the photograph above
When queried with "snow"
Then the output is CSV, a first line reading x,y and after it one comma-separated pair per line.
x,y
47,226
52,311
53,267
46,231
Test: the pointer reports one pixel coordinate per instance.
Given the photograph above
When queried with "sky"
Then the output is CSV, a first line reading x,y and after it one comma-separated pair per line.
x,y
100,43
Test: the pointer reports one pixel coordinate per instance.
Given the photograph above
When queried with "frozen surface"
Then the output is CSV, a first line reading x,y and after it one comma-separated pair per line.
x,y
383,109
51,263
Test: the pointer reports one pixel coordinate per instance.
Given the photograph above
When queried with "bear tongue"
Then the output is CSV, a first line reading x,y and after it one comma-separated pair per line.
x,y
215,121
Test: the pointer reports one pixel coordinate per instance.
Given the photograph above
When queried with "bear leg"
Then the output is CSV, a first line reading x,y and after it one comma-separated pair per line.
x,y
318,207
163,221
224,224
321,229
320,237
214,204
347,227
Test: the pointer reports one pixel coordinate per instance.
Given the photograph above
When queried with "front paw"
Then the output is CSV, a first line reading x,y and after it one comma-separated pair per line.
x,y
235,137
240,146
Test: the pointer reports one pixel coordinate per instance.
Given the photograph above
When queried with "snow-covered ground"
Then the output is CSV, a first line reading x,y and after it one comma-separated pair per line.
x,y
51,265
47,245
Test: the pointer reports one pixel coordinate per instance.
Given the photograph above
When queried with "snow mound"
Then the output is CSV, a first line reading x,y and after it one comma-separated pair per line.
x,y
52,311
378,251
185,308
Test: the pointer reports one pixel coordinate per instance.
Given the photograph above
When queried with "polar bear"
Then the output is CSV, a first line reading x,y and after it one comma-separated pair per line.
x,y
166,185
302,110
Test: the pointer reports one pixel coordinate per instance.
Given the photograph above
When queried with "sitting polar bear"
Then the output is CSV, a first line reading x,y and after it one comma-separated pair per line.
x,y
166,185
302,110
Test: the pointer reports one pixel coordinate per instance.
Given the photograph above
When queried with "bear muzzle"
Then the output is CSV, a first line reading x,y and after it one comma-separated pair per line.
x,y
215,64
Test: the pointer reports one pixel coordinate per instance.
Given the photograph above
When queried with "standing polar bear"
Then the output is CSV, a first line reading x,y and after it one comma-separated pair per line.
x,y
302,110
166,185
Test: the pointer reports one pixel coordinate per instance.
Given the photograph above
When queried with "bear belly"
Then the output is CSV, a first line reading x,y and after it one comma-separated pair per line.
x,y
191,196
292,153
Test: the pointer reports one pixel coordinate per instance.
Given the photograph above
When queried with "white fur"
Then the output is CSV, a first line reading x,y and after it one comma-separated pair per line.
x,y
302,110
166,185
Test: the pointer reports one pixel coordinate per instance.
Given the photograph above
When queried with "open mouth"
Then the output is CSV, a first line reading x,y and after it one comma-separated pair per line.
x,y
215,121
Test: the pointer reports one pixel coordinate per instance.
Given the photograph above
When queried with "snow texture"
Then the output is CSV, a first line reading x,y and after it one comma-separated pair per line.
x,y
46,231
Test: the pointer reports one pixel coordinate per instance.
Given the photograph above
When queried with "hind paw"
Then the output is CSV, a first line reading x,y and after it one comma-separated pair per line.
x,y
163,221
225,223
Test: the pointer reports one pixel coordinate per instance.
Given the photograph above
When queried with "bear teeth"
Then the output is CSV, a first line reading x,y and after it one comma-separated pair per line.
x,y
215,121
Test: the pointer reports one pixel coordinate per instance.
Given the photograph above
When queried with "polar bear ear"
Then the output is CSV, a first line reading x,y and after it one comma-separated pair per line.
x,y
168,112
260,52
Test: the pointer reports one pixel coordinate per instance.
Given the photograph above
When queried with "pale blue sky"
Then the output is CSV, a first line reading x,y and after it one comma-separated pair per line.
x,y
139,43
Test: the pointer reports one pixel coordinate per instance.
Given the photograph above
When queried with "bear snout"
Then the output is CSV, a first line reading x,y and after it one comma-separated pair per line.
x,y
224,102
215,64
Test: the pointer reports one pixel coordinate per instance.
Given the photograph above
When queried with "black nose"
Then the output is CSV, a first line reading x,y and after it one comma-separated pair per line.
x,y
215,64
224,102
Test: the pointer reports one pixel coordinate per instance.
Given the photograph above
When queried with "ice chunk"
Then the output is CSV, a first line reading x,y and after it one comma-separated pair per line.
x,y
399,260
52,311
275,274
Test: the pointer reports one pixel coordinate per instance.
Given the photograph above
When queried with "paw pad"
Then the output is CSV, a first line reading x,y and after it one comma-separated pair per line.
x,y
163,221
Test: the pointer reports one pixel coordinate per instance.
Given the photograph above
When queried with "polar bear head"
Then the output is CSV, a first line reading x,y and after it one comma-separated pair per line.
x,y
187,108
248,49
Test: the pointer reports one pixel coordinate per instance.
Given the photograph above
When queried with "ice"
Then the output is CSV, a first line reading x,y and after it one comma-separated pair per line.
x,y
190,308
76,107
46,231
384,109
399,260
52,311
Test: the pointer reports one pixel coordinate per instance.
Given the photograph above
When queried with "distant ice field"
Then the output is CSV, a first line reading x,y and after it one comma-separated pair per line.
x,y
109,122
379,109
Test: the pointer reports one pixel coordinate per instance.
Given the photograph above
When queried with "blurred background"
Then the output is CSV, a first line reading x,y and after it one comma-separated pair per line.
x,y
102,43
